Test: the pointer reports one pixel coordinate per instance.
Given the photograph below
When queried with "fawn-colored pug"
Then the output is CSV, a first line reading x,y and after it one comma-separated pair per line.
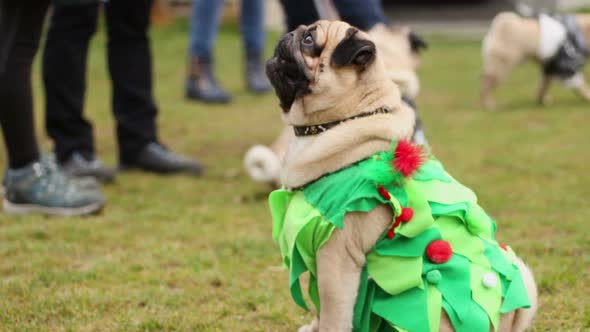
x,y
345,112
512,39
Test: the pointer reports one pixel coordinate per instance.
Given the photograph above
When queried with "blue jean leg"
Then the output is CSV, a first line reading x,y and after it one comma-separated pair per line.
x,y
252,26
204,26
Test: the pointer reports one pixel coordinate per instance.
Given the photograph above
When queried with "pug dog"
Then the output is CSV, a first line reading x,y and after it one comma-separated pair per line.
x,y
345,111
561,48
401,48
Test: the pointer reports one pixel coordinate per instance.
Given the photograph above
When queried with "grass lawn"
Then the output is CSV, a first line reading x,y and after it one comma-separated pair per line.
x,y
184,254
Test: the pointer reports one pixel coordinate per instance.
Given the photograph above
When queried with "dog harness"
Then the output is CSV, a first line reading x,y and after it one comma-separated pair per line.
x,y
438,253
563,48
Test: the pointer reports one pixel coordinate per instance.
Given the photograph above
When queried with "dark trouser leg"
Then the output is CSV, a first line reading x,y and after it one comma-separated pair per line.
x,y
130,67
361,14
299,12
64,77
20,31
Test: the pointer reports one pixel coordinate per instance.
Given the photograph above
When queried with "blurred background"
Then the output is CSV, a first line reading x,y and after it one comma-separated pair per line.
x,y
425,16
172,253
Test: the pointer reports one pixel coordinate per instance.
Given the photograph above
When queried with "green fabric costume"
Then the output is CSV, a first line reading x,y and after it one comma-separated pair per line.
x,y
401,288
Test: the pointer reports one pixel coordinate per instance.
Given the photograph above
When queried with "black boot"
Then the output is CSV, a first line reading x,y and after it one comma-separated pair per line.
x,y
255,75
201,85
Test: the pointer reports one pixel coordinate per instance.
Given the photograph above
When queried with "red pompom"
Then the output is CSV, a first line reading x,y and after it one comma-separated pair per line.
x,y
503,246
391,232
406,215
408,157
439,251
383,193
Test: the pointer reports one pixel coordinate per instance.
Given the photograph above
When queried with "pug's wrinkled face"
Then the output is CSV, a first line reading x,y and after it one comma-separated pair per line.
x,y
325,58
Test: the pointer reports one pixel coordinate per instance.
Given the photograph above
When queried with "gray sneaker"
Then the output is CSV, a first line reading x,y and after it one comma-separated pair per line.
x,y
48,161
41,187
79,166
85,182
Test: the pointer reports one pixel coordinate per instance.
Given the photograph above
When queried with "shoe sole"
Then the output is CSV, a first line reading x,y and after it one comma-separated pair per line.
x,y
132,168
20,209
102,178
207,101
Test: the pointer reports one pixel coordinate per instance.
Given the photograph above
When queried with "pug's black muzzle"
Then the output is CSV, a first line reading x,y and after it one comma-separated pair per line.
x,y
286,71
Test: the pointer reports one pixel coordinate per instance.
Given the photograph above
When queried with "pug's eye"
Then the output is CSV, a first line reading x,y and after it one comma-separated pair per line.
x,y
307,40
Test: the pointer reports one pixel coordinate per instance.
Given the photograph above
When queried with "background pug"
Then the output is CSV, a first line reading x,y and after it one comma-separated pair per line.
x,y
346,111
560,47
400,49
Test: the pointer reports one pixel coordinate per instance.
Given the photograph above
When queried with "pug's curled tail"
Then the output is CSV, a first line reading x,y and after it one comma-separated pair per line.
x,y
262,164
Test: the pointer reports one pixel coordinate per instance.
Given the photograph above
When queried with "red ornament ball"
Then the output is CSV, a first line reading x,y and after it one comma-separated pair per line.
x,y
406,215
439,251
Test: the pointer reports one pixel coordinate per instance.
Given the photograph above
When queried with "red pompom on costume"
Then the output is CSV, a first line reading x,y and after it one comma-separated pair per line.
x,y
406,215
439,251
408,157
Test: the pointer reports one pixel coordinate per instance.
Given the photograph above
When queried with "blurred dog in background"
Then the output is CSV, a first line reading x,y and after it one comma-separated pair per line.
x,y
559,44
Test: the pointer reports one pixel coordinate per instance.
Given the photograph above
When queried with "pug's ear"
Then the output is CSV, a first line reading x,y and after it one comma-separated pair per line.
x,y
353,50
417,43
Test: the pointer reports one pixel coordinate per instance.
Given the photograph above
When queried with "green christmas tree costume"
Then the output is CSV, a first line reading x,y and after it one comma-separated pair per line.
x,y
403,285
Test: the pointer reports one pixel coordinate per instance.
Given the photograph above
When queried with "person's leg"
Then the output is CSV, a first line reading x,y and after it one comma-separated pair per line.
x,y
253,33
298,12
64,78
130,67
32,183
204,26
252,26
201,83
20,31
361,14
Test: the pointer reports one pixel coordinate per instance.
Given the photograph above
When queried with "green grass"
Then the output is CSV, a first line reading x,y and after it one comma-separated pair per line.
x,y
184,254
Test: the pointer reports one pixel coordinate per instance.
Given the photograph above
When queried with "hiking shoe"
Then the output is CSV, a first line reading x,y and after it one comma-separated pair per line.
x,y
40,187
255,75
202,85
154,157
79,166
